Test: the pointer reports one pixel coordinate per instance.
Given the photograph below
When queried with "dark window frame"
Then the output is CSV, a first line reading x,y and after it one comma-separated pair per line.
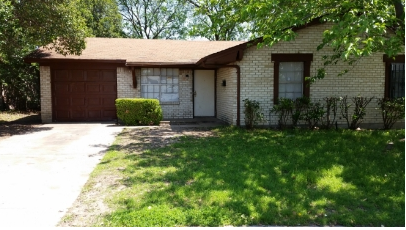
x,y
305,58
388,62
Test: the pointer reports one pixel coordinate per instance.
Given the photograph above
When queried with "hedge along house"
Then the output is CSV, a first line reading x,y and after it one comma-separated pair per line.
x,y
202,78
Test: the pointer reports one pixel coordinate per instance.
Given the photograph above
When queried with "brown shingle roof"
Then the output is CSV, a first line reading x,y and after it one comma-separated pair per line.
x,y
136,51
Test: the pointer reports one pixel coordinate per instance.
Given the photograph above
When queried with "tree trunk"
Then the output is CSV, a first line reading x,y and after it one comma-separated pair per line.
x,y
400,9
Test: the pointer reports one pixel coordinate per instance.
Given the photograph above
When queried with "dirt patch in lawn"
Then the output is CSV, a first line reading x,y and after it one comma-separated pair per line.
x,y
17,123
90,207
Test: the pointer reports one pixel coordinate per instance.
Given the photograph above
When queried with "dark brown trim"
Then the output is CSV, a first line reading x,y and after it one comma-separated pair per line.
x,y
193,91
82,65
299,57
161,65
65,60
388,62
387,79
215,93
306,85
235,50
134,77
276,83
397,58
51,82
305,58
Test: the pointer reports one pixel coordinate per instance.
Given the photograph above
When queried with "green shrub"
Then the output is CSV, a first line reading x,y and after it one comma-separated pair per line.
x,y
252,111
283,109
331,104
313,114
354,119
299,107
392,110
138,111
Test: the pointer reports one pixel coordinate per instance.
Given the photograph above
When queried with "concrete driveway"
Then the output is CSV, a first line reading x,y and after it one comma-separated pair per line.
x,y
43,172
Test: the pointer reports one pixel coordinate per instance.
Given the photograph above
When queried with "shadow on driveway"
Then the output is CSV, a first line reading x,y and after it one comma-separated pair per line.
x,y
25,125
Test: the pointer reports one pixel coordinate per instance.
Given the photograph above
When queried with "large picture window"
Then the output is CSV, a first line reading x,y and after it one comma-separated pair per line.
x,y
290,71
160,83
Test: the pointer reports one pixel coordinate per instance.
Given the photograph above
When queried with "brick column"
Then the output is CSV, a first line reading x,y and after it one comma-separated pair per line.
x,y
46,96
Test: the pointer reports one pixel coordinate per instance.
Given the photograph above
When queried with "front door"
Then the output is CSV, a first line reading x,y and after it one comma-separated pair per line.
x,y
204,93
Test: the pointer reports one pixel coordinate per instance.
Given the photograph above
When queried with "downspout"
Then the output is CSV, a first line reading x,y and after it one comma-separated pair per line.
x,y
237,67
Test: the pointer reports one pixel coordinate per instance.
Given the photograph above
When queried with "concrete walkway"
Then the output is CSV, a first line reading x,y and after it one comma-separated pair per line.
x,y
42,173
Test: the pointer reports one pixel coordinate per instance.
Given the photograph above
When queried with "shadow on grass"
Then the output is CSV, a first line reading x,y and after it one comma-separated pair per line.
x,y
266,177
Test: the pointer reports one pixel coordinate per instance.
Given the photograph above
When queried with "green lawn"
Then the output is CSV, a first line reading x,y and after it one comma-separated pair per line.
x,y
263,177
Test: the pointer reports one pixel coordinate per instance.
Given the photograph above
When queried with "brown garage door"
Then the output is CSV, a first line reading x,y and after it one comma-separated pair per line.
x,y
84,94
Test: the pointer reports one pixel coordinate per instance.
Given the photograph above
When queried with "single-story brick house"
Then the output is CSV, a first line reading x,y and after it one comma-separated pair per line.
x,y
203,78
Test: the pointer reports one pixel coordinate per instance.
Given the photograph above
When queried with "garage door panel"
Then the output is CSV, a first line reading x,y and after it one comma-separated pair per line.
x,y
61,87
84,95
78,114
94,101
78,101
93,88
77,87
108,101
62,114
62,75
93,75
108,88
61,101
109,76
94,114
109,113
78,75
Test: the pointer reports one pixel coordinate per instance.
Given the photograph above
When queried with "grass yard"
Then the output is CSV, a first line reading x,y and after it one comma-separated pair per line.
x,y
262,177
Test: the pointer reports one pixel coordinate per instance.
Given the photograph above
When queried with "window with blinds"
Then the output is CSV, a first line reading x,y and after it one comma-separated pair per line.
x,y
291,80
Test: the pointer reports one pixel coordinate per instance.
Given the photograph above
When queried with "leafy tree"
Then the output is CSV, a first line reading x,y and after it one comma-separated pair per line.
x,y
359,28
42,22
216,20
154,19
103,18
26,25
19,84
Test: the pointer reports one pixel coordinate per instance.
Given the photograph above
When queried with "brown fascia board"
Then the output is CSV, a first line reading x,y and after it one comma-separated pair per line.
x,y
161,64
65,60
226,52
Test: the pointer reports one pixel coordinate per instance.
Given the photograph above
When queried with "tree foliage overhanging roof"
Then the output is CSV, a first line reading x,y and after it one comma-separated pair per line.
x,y
359,28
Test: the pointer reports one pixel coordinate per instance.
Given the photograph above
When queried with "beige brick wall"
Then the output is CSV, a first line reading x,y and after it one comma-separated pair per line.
x,y
125,87
366,78
46,96
181,109
226,101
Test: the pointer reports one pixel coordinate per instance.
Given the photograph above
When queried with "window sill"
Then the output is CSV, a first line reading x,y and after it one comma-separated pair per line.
x,y
169,103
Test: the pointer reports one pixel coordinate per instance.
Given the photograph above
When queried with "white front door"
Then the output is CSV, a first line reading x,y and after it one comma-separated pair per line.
x,y
204,93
